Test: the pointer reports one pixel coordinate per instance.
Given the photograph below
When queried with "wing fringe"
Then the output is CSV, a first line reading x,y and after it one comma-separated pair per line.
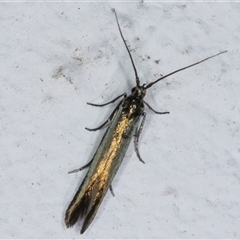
x,y
85,204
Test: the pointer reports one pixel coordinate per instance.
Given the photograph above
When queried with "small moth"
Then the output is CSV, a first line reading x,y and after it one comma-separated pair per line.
x,y
123,124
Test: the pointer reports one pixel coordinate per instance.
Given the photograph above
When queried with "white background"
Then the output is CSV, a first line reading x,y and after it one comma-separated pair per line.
x,y
55,57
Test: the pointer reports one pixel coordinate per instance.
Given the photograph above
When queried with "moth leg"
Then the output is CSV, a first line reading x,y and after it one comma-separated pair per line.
x,y
136,137
101,126
81,168
112,101
111,190
111,116
155,110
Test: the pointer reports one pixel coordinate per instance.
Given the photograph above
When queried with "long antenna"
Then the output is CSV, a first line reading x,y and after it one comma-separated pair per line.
x,y
161,78
135,70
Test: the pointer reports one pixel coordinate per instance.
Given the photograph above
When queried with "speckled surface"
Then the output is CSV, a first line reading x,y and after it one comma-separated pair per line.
x,y
55,57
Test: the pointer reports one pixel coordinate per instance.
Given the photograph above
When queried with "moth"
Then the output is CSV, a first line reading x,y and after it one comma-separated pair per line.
x,y
125,122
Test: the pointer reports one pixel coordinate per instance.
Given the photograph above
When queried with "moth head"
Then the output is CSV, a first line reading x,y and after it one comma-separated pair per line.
x,y
139,91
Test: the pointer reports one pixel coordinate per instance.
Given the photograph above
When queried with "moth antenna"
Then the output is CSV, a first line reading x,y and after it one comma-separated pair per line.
x,y
181,69
135,70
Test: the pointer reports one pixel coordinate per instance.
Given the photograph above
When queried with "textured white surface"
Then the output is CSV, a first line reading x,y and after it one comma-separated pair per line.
x,y
57,56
